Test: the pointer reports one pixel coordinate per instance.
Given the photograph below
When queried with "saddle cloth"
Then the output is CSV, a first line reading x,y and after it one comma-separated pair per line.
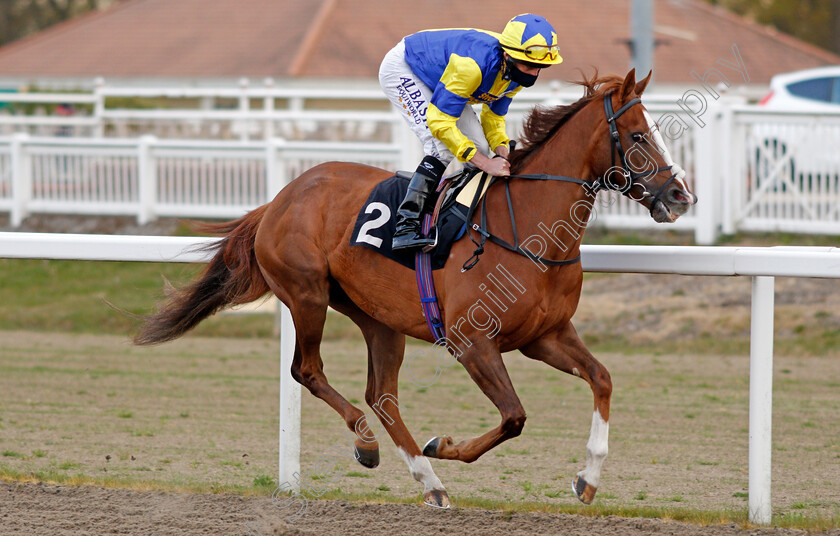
x,y
376,223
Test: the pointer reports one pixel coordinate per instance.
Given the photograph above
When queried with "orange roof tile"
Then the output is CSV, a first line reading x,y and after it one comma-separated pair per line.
x,y
348,38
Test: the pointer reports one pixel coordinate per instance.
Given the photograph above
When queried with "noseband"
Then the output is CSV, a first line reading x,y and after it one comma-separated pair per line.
x,y
632,178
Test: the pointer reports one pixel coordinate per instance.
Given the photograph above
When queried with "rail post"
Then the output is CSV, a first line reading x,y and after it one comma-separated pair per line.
x,y
289,451
146,180
411,152
99,107
244,109
761,399
268,108
21,179
707,170
276,168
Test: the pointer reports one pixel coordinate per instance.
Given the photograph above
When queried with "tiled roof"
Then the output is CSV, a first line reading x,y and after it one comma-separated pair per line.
x,y
169,38
348,38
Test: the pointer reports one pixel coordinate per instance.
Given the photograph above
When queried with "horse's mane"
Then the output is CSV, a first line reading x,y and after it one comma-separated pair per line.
x,y
542,123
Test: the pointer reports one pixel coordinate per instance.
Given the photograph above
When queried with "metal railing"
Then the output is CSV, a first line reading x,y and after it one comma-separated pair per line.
x,y
761,264
753,169
149,178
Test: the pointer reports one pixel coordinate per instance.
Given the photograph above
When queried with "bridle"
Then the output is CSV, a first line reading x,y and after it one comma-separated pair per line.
x,y
631,176
632,179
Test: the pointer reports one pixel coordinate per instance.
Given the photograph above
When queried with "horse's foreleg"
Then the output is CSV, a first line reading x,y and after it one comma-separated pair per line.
x,y
565,351
484,364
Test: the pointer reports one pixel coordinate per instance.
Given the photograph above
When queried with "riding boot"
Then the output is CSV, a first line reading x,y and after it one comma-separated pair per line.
x,y
421,187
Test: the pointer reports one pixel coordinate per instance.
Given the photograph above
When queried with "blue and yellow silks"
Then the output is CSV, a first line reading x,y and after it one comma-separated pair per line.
x,y
462,66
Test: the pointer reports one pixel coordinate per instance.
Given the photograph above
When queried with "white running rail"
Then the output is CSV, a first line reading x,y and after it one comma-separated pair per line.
x,y
762,264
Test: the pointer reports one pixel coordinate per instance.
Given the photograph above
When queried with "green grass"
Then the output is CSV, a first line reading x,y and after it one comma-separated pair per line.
x,y
264,481
73,296
52,476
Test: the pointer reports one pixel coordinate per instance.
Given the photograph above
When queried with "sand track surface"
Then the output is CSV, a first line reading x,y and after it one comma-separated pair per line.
x,y
37,508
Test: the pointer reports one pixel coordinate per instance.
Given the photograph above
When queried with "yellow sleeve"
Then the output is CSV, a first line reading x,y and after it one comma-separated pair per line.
x,y
443,127
459,81
494,128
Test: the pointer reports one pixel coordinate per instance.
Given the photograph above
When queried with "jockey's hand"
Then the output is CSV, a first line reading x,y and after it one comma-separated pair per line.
x,y
499,167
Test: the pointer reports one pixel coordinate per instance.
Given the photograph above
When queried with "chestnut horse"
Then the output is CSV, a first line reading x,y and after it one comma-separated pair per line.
x,y
298,247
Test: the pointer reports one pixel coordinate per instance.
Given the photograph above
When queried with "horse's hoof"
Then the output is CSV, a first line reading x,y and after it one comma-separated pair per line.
x,y
436,498
367,457
583,490
430,448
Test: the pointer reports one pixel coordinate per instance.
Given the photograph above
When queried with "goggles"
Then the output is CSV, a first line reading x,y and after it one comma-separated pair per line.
x,y
538,52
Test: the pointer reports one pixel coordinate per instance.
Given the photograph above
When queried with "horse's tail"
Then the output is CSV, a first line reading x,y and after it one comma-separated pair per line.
x,y
231,277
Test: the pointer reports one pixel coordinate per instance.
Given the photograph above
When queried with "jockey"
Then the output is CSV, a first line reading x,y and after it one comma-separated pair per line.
x,y
433,77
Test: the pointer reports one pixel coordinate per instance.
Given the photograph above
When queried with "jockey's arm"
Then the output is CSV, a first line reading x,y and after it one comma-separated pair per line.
x,y
460,79
493,123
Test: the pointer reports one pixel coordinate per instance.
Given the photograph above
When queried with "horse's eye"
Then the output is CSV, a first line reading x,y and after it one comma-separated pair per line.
x,y
637,137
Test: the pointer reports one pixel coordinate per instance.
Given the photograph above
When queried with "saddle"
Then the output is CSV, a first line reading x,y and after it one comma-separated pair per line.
x,y
375,224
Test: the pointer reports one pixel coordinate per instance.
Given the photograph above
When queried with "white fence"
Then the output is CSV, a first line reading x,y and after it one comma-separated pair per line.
x,y
785,170
762,264
753,169
244,113
151,178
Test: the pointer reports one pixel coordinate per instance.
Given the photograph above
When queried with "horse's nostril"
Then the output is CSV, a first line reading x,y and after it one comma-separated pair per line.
x,y
679,196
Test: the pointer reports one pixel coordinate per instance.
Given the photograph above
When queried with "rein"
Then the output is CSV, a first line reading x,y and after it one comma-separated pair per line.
x,y
481,228
592,186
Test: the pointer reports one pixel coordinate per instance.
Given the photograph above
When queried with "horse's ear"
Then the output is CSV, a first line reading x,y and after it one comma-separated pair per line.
x,y
628,85
642,84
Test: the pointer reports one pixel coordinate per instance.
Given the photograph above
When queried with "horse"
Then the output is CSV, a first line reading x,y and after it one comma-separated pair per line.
x,y
297,247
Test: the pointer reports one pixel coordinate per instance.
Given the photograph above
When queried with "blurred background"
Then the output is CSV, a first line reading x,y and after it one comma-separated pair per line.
x,y
203,108
130,116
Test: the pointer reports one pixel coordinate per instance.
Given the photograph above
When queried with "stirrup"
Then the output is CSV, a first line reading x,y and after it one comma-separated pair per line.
x,y
433,245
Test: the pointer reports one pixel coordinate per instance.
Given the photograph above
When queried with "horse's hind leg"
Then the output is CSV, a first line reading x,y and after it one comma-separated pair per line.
x,y
308,302
386,349
565,351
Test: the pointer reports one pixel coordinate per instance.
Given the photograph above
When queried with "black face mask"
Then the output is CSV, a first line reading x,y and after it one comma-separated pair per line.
x,y
512,72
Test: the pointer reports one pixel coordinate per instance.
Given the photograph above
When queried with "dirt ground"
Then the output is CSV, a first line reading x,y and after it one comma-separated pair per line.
x,y
200,413
203,412
29,509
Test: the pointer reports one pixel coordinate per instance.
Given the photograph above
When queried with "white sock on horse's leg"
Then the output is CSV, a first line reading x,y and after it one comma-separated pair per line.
x,y
597,449
421,470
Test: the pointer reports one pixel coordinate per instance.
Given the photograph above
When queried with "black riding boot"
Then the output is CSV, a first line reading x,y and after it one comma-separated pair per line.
x,y
422,185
